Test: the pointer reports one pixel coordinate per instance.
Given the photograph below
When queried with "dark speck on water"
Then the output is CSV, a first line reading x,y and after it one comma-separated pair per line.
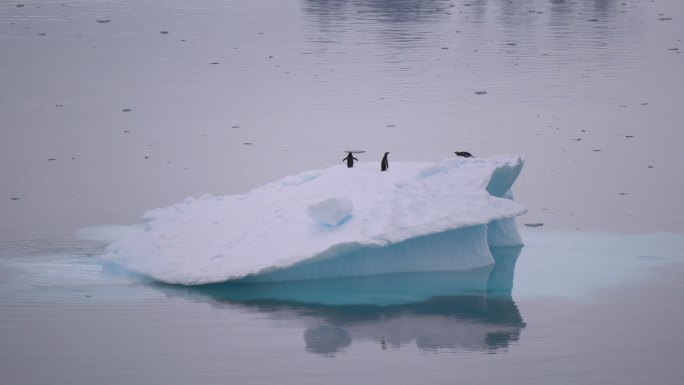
x,y
537,224
629,136
164,32
127,110
102,21
248,143
15,198
50,159
214,63
480,92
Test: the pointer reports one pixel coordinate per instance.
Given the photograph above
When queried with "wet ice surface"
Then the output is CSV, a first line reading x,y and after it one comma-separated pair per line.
x,y
110,109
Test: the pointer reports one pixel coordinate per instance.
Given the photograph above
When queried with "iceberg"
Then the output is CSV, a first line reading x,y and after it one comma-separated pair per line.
x,y
335,222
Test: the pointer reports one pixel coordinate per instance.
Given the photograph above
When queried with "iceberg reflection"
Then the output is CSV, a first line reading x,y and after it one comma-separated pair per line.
x,y
466,310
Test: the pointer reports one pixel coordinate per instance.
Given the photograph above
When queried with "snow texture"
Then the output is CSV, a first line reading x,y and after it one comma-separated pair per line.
x,y
417,217
331,212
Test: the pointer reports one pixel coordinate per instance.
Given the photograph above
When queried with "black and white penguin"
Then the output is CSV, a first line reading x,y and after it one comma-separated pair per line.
x,y
384,164
464,154
350,160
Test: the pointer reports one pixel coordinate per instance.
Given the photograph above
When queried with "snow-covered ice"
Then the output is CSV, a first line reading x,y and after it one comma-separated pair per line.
x,y
331,212
334,222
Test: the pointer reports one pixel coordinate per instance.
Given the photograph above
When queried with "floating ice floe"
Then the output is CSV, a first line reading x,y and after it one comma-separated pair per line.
x,y
336,222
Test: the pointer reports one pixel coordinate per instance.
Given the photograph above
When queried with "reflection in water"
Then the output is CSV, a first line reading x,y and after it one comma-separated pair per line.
x,y
394,20
391,11
393,51
470,310
407,21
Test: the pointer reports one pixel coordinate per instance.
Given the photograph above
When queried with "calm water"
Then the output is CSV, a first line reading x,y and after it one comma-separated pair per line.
x,y
111,108
568,308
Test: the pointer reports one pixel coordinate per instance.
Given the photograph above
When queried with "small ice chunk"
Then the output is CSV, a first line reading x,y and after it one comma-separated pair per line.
x,y
330,212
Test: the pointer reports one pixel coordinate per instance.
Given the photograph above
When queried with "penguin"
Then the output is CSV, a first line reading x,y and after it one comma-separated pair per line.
x,y
464,154
384,164
350,160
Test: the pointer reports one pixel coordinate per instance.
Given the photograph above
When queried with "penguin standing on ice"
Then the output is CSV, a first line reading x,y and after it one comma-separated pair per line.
x,y
384,164
350,159
464,154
